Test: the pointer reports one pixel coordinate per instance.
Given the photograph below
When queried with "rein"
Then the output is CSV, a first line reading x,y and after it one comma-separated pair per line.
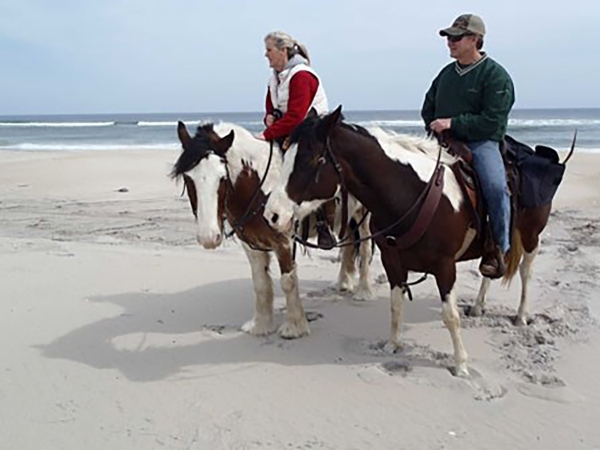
x,y
328,154
238,225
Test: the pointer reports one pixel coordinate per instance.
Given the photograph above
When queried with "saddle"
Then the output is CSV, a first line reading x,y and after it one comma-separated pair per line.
x,y
533,177
470,186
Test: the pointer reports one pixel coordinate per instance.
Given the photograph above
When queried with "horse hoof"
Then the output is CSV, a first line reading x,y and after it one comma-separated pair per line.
x,y
461,371
520,322
257,328
294,330
391,347
345,285
476,311
363,294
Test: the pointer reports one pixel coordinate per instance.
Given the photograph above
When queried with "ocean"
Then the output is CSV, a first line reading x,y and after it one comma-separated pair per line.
x,y
551,127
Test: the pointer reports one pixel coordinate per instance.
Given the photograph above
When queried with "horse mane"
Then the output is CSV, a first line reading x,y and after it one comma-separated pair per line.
x,y
191,156
359,130
308,129
249,153
421,145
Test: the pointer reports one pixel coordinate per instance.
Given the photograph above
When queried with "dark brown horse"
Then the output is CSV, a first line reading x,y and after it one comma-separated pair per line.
x,y
388,174
223,177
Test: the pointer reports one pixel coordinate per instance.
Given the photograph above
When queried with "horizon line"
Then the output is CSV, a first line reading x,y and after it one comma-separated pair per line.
x,y
260,112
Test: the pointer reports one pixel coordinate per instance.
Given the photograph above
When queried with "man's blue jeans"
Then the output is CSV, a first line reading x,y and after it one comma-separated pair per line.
x,y
489,166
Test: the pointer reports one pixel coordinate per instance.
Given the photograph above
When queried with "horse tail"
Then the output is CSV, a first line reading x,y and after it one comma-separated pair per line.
x,y
514,257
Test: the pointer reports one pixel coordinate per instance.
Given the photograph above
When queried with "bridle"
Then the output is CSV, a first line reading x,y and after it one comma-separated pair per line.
x,y
250,212
328,156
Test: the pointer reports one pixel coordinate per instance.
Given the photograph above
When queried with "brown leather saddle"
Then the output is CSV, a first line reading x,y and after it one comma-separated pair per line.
x,y
470,186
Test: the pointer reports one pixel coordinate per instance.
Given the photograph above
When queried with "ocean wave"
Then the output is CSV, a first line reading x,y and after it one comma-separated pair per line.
x,y
90,147
193,123
56,124
391,123
162,146
395,123
157,124
526,123
141,123
516,123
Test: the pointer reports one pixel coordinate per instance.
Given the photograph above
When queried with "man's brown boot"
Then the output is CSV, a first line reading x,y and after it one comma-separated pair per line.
x,y
492,264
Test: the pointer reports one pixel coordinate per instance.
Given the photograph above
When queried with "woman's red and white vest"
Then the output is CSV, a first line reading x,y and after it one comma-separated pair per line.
x,y
279,88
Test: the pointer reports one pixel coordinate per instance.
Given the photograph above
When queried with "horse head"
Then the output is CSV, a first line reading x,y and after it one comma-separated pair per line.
x,y
310,174
202,166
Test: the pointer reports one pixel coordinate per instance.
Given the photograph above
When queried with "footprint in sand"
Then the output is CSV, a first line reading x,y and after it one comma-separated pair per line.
x,y
486,388
560,394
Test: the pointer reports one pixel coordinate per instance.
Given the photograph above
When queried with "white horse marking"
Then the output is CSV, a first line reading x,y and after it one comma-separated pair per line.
x,y
207,176
420,153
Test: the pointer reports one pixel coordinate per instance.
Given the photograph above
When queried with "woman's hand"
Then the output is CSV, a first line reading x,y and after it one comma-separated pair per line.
x,y
269,120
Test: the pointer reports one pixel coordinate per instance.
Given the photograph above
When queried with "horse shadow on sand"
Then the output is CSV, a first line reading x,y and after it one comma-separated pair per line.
x,y
166,335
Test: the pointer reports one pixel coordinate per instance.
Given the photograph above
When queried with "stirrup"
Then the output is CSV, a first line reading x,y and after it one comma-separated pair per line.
x,y
325,238
493,265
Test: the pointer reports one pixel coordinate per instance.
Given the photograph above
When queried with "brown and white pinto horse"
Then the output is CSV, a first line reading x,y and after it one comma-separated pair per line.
x,y
388,173
223,179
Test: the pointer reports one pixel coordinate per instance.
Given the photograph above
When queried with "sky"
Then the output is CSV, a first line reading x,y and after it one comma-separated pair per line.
x,y
134,56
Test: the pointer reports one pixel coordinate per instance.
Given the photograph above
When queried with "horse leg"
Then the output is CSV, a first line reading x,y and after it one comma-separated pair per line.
x,y
262,322
525,273
295,324
446,281
345,281
479,308
365,254
396,276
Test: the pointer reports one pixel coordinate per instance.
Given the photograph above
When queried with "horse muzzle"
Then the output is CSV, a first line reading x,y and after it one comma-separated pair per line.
x,y
210,242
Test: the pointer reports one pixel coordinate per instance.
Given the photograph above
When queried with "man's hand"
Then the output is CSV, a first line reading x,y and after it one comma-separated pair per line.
x,y
260,136
439,125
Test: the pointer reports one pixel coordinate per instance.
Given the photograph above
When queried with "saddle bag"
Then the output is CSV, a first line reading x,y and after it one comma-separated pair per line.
x,y
540,172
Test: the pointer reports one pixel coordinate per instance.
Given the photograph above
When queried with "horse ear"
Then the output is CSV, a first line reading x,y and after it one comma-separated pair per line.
x,y
184,136
330,121
225,143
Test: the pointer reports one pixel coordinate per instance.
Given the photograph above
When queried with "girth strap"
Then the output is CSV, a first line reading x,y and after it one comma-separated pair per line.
x,y
426,212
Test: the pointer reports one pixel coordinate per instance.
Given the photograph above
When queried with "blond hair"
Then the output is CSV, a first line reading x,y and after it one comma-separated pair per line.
x,y
283,40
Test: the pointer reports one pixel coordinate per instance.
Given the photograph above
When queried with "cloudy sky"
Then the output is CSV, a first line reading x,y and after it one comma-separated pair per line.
x,y
111,56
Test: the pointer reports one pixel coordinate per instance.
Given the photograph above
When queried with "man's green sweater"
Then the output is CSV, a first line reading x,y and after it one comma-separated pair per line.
x,y
477,98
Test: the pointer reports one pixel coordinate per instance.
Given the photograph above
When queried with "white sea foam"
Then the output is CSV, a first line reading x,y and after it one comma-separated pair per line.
x,y
391,123
552,122
55,124
524,123
88,147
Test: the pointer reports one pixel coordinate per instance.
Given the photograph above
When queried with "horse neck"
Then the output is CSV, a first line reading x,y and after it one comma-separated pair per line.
x,y
384,186
250,154
247,164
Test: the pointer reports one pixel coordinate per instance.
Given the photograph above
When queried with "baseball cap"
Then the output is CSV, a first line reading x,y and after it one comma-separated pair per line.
x,y
466,23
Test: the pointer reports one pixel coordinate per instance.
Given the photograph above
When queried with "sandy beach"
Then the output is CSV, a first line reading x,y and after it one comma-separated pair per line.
x,y
120,332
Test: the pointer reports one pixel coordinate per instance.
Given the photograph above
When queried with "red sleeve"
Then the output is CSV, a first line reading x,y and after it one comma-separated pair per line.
x,y
303,88
268,106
